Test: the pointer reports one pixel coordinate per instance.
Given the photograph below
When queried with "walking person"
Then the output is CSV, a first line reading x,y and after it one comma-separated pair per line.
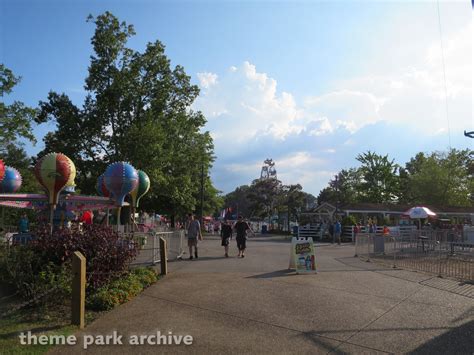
x,y
331,231
226,234
241,228
356,230
337,232
194,232
23,225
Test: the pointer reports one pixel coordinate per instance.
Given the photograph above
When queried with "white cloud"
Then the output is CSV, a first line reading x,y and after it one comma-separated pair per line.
x,y
251,119
247,99
347,108
206,80
319,127
414,97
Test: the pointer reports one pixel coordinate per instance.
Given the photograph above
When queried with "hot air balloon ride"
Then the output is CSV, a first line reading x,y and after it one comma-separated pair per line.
x,y
141,189
11,181
53,172
120,179
70,184
101,188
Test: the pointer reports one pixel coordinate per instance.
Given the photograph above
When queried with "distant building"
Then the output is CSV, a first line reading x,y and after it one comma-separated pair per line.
x,y
364,211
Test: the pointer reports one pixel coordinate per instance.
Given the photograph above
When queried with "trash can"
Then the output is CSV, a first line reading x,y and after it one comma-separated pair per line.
x,y
295,231
264,229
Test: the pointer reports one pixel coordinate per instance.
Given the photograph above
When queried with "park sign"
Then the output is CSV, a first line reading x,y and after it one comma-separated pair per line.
x,y
302,257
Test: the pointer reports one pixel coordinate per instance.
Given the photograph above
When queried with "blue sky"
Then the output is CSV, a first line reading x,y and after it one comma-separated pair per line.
x,y
310,84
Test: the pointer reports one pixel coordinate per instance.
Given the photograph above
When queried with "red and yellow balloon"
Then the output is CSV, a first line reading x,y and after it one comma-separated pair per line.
x,y
53,172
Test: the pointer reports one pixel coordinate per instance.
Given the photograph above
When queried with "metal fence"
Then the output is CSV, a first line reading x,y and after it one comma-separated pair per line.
x,y
443,253
148,245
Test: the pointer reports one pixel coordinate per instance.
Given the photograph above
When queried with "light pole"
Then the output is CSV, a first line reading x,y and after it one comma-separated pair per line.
x,y
202,195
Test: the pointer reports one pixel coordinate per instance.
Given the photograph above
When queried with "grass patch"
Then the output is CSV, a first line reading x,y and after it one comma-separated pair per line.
x,y
53,320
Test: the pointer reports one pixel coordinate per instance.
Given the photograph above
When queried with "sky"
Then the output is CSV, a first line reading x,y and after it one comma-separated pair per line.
x,y
310,84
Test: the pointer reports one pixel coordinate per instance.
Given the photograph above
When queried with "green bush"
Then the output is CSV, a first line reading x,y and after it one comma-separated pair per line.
x,y
146,276
27,272
121,290
349,221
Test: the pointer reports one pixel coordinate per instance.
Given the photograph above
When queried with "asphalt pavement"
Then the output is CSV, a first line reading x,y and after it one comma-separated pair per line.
x,y
255,305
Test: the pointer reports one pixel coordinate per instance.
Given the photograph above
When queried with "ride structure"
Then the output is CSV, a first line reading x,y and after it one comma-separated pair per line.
x,y
55,172
268,170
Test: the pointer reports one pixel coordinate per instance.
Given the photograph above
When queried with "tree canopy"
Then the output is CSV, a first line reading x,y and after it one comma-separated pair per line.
x,y
16,118
437,178
138,109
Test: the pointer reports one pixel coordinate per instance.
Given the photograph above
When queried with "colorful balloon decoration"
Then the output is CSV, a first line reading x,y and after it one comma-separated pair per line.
x,y
11,180
101,188
141,189
53,172
2,169
120,179
71,184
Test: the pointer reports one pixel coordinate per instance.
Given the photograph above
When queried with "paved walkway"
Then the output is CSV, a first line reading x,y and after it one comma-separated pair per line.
x,y
255,305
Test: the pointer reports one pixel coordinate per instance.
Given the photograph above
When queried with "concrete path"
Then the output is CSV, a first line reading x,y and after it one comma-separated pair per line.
x,y
255,305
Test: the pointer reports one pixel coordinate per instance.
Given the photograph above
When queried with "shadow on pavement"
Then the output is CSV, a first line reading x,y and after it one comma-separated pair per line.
x,y
459,340
269,239
269,275
320,342
206,258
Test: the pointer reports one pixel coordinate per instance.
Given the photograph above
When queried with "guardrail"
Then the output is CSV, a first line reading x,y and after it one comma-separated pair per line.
x,y
432,254
148,245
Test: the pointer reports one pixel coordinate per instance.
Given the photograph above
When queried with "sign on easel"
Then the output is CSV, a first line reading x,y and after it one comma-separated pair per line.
x,y
302,257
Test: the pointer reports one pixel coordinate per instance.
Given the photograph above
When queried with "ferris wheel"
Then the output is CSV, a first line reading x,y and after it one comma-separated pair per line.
x,y
268,170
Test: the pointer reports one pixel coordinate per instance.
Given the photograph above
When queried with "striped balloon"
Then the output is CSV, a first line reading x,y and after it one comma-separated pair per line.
x,y
2,169
101,188
71,184
53,172
120,179
141,189
11,181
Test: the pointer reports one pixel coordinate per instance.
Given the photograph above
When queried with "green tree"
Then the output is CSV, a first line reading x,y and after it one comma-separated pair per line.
x,y
441,179
264,196
239,200
137,109
16,124
16,118
294,200
343,190
380,182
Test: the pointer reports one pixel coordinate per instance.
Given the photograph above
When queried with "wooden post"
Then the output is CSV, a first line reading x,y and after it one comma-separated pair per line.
x,y
78,289
51,219
118,215
163,256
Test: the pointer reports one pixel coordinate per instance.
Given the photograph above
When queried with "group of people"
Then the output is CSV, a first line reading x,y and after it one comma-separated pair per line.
x,y
240,227
334,230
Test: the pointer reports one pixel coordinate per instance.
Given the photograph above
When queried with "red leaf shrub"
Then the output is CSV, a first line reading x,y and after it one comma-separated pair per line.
x,y
107,254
